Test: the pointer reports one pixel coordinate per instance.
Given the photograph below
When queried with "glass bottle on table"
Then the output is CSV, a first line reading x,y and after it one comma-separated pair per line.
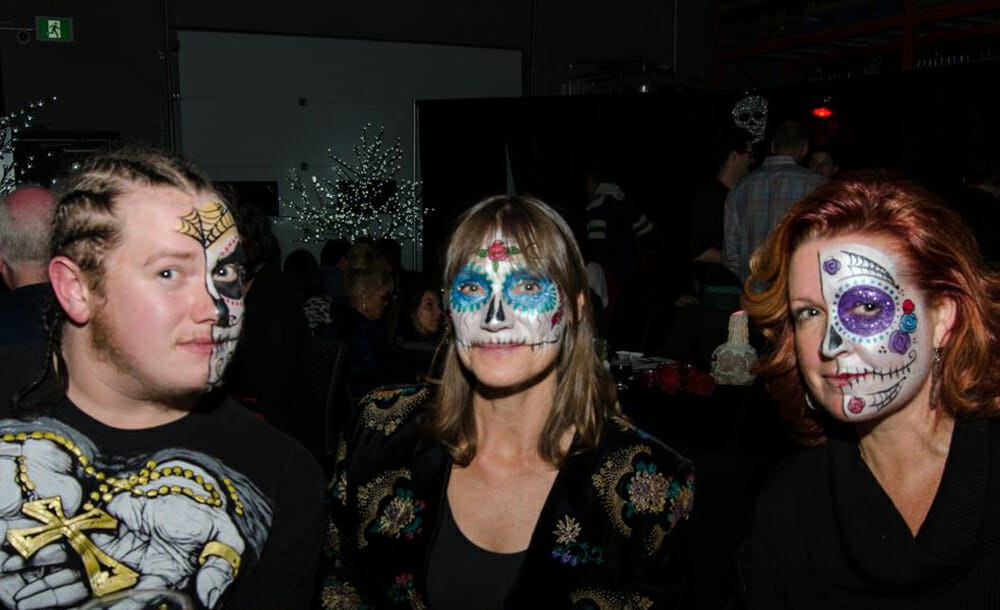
x,y
621,370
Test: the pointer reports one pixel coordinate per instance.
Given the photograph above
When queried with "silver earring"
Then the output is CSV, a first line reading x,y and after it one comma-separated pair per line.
x,y
809,402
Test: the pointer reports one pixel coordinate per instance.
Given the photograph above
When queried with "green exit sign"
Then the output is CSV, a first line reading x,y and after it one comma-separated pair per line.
x,y
54,29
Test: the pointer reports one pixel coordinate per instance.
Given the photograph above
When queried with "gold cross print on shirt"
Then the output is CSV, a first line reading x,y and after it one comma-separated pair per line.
x,y
106,575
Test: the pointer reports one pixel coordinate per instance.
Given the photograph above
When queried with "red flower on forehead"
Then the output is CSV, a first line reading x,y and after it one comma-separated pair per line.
x,y
497,251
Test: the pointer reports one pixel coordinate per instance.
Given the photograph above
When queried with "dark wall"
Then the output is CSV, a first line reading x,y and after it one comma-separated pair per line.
x,y
926,124
552,34
113,77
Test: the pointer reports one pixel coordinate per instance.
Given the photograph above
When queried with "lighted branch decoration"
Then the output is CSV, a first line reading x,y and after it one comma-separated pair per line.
x,y
10,126
365,199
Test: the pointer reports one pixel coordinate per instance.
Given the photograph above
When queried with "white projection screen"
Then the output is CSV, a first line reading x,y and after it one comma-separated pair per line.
x,y
255,106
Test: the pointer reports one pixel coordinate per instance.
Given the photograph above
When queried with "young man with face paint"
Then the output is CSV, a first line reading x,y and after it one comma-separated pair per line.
x,y
127,474
517,482
885,329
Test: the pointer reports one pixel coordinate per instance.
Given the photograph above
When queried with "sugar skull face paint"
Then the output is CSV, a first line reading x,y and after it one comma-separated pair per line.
x,y
874,333
214,227
497,300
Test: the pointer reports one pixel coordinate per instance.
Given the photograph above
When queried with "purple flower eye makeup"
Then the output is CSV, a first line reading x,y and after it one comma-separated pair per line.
x,y
874,332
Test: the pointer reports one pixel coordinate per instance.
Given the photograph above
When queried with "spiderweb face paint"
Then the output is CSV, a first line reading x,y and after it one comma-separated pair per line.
x,y
874,331
497,299
213,225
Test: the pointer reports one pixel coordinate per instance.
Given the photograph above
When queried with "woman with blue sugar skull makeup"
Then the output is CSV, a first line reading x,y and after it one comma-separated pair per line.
x,y
517,482
885,335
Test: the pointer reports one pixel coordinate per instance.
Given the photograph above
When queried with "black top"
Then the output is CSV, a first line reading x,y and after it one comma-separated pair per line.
x,y
363,337
707,217
460,571
706,232
216,504
269,372
21,314
826,535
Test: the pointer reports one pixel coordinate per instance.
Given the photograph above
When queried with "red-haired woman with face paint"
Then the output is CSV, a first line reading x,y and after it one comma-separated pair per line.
x,y
883,326
517,482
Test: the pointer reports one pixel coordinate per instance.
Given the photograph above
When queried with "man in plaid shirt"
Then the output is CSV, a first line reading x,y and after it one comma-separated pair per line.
x,y
757,203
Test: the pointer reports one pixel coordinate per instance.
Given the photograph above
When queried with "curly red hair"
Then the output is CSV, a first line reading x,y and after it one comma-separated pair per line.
x,y
938,252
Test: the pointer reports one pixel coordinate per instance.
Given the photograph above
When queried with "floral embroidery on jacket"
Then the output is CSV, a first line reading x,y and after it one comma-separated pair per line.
x,y
647,491
384,410
370,496
681,497
400,516
337,487
614,468
599,599
339,595
567,530
332,547
569,550
403,591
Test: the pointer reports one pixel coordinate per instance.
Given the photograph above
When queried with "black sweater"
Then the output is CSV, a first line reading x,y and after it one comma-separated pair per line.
x,y
826,535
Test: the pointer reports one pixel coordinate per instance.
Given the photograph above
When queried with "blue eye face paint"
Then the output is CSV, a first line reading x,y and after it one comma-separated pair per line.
x,y
504,302
529,292
470,290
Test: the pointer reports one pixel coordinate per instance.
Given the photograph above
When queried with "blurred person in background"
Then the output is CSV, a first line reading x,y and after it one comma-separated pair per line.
x,y
25,230
302,270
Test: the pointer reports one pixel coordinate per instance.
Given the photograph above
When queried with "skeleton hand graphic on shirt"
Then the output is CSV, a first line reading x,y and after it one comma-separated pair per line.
x,y
169,529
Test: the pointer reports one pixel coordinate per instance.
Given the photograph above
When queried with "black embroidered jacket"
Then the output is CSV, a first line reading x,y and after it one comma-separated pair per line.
x,y
613,532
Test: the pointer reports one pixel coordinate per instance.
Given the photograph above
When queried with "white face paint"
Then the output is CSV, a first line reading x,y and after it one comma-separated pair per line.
x,y
213,225
877,330
497,300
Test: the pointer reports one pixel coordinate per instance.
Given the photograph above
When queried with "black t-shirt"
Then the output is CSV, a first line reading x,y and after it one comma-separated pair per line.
x,y
217,504
707,217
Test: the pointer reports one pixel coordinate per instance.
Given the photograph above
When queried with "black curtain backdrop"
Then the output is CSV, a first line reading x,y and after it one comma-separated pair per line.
x,y
925,124
653,146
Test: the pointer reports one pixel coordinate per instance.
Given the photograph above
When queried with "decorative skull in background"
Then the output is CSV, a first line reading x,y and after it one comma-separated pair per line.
x,y
750,113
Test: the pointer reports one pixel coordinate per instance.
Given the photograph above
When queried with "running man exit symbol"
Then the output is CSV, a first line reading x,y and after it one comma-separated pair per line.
x,y
54,29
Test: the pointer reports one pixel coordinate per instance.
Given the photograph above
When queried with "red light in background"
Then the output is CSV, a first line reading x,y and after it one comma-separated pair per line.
x,y
822,112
